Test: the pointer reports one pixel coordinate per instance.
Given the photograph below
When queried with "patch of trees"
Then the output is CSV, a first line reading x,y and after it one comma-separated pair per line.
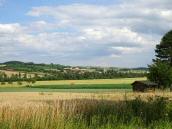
x,y
110,74
16,78
161,69
56,75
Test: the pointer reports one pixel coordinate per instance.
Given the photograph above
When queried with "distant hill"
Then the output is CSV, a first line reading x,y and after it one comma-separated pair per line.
x,y
13,62
30,66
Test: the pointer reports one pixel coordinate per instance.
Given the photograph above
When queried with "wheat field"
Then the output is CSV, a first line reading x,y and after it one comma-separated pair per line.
x,y
81,111
53,96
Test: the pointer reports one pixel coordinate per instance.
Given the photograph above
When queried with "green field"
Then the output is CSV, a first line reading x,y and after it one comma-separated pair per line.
x,y
99,85
68,88
86,86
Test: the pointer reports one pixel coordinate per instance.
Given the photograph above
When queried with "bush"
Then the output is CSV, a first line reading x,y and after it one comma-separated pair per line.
x,y
19,83
2,83
10,82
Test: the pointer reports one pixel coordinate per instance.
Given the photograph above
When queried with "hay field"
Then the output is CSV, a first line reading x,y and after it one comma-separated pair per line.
x,y
55,110
53,96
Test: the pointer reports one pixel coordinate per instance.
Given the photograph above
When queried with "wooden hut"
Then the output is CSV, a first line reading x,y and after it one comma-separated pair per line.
x,y
141,86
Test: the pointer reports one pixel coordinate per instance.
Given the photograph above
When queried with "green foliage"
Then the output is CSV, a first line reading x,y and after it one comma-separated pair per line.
x,y
164,49
10,82
161,70
30,66
2,83
58,72
19,83
161,73
33,80
30,81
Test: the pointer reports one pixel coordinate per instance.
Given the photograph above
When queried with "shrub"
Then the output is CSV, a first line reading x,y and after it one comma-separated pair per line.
x,y
2,83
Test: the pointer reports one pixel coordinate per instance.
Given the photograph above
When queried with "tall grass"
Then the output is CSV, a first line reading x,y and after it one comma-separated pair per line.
x,y
154,113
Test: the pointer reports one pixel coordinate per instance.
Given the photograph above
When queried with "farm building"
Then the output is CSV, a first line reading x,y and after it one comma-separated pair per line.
x,y
141,86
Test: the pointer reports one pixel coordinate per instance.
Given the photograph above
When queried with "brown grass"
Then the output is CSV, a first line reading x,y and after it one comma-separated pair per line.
x,y
53,110
17,98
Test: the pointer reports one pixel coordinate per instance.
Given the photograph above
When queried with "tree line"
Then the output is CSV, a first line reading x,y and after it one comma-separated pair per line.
x,y
56,75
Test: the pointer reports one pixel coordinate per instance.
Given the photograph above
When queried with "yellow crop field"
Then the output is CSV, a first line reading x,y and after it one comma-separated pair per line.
x,y
15,97
95,81
55,110
75,82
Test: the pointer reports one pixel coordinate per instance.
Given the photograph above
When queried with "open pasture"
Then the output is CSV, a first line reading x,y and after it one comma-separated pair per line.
x,y
81,82
68,88
98,85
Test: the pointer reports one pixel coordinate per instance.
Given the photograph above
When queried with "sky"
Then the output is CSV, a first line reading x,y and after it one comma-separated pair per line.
x,y
120,33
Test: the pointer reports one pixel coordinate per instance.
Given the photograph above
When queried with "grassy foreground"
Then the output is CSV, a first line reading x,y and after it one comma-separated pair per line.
x,y
154,113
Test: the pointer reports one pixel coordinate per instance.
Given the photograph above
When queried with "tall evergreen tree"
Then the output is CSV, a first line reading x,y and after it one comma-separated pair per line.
x,y
164,49
161,71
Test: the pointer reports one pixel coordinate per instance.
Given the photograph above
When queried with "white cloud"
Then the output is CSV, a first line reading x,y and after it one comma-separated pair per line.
x,y
10,28
81,32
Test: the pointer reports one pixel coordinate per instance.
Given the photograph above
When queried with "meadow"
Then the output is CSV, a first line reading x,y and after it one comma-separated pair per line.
x,y
68,88
83,104
97,85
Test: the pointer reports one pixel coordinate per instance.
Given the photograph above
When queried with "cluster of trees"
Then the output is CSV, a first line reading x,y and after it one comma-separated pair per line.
x,y
89,75
4,78
161,69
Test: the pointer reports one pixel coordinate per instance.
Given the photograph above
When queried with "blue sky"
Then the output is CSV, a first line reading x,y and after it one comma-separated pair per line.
x,y
15,10
120,33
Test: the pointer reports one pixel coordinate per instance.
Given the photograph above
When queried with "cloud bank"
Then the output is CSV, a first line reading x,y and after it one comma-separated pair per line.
x,y
123,34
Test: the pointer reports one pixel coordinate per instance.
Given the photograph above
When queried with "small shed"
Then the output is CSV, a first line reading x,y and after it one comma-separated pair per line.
x,y
141,86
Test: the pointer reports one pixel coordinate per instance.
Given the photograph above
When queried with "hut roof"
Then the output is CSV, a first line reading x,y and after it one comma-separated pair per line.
x,y
148,83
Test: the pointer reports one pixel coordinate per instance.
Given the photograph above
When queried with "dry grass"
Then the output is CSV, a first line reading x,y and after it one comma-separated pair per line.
x,y
72,110
20,97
